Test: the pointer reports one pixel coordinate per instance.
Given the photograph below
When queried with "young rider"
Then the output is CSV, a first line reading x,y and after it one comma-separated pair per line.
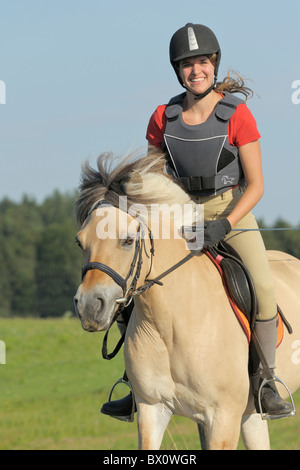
x,y
212,146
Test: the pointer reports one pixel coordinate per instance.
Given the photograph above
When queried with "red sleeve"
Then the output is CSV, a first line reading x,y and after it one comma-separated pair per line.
x,y
242,128
156,126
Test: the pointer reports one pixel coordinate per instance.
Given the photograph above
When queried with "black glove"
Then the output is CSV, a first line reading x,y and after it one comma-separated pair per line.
x,y
215,231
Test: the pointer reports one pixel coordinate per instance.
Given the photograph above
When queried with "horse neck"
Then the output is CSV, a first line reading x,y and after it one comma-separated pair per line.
x,y
165,250
158,297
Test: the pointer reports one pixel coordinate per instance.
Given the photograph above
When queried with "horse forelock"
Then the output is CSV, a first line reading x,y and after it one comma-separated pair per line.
x,y
142,180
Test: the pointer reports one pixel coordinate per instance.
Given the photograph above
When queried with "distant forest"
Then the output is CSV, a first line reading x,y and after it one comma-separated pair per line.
x,y
40,265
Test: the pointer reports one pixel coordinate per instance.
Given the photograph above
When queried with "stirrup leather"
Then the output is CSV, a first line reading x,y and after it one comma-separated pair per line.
x,y
129,418
267,416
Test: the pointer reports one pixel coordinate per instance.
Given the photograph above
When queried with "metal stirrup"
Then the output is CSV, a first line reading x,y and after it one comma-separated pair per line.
x,y
130,418
267,416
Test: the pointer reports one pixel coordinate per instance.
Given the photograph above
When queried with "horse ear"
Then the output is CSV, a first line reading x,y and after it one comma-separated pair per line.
x,y
133,182
136,178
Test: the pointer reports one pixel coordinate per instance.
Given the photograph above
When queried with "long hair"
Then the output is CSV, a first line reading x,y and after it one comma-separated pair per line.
x,y
232,83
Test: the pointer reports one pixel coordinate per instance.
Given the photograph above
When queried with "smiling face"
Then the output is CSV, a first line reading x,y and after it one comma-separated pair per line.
x,y
197,73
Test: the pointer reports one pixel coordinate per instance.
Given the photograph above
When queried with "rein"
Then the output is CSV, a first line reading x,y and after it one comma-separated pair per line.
x,y
149,283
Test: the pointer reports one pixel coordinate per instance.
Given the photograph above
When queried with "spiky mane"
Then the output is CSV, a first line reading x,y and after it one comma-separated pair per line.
x,y
141,180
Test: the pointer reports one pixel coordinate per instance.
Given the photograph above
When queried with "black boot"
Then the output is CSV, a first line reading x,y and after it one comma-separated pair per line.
x,y
120,409
124,408
273,406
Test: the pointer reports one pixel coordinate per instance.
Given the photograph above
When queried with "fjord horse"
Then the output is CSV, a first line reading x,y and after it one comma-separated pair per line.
x,y
185,352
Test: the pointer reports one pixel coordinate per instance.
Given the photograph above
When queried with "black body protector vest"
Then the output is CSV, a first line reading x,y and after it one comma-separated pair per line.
x,y
201,156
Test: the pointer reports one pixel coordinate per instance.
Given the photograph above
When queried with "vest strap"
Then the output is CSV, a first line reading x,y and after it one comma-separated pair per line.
x,y
198,183
208,183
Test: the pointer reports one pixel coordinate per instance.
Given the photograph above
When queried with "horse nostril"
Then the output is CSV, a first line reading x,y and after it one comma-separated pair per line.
x,y
101,306
75,302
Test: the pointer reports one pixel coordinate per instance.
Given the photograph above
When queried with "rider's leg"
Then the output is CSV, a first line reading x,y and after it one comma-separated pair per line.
x,y
271,402
248,243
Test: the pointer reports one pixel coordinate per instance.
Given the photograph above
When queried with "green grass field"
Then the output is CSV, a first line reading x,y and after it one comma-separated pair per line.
x,y
54,382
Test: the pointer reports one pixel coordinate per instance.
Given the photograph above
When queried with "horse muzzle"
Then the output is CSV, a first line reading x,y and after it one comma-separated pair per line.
x,y
96,308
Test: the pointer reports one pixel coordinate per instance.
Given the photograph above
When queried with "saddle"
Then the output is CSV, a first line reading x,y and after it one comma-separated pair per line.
x,y
240,289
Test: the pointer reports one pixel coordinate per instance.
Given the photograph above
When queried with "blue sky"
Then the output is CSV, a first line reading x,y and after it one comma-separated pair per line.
x,y
83,77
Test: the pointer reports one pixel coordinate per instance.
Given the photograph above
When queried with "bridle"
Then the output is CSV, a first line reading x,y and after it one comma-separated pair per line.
x,y
135,267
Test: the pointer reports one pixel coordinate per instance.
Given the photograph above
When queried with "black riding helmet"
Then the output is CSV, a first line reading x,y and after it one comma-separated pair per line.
x,y
193,40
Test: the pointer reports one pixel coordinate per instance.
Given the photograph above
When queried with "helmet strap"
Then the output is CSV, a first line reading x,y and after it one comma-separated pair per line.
x,y
203,95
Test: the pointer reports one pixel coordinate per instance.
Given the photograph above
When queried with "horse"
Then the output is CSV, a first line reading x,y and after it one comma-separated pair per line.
x,y
185,351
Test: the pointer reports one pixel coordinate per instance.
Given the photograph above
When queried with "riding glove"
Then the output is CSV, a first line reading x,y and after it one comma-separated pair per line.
x,y
215,231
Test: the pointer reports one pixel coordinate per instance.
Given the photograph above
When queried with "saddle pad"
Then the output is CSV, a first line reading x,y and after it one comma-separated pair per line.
x,y
243,320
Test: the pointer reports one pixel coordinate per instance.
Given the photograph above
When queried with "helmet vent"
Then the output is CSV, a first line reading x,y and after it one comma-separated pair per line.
x,y
193,45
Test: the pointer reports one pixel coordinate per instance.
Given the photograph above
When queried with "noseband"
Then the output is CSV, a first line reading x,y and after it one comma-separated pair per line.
x,y
107,270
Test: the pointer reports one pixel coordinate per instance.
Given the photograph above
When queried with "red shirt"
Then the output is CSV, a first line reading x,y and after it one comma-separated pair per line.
x,y
242,127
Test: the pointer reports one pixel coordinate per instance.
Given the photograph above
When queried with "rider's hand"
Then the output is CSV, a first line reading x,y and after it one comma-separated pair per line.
x,y
215,231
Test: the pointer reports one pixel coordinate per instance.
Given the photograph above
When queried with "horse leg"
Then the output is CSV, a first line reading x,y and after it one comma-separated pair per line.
x,y
202,436
223,431
255,432
152,423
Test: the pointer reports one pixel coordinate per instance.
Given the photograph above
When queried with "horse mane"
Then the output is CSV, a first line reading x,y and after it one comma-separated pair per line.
x,y
141,179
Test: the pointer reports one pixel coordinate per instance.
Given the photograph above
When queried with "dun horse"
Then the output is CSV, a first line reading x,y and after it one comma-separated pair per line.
x,y
185,352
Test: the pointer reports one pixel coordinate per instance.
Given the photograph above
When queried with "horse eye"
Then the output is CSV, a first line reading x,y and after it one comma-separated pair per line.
x,y
78,242
128,241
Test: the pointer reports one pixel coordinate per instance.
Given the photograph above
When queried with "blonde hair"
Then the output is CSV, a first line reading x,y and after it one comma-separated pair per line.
x,y
138,177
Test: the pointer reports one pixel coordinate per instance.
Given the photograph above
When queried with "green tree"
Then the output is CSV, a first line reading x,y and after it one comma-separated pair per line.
x,y
39,262
20,225
283,240
57,269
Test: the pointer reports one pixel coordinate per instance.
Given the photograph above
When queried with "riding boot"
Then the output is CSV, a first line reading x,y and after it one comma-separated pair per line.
x,y
122,409
271,402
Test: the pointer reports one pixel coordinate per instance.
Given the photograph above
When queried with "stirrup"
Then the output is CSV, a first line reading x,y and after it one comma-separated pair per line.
x,y
129,418
267,416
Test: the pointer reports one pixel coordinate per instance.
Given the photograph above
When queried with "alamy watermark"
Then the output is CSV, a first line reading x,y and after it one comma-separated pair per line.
x,y
2,352
296,353
166,221
296,93
2,92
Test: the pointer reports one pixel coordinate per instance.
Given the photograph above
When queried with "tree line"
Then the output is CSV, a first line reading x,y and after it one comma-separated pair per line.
x,y
40,265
